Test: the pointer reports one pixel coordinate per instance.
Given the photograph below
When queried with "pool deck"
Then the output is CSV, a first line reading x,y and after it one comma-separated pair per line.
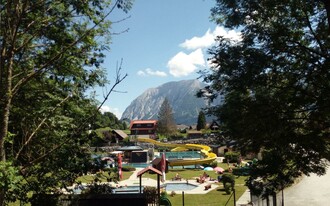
x,y
200,189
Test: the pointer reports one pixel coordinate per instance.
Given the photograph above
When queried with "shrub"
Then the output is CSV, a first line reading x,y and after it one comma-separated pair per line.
x,y
228,178
151,194
128,168
232,157
98,189
227,188
242,171
214,164
228,181
163,193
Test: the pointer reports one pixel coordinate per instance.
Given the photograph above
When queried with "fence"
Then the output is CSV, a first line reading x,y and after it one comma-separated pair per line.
x,y
276,199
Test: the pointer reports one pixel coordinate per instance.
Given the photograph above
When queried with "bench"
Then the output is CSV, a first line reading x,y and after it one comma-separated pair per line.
x,y
207,186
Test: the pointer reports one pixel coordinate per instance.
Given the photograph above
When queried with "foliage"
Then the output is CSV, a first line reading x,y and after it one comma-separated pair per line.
x,y
151,193
242,171
98,189
51,55
228,188
232,157
166,124
128,168
201,121
214,164
46,199
9,180
108,119
228,178
163,193
228,181
275,82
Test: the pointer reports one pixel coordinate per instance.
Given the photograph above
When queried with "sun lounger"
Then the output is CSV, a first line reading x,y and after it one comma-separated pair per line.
x,y
207,186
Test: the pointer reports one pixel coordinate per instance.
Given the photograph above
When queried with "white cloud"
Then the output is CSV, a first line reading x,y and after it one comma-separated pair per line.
x,y
150,72
183,64
199,42
231,34
115,111
208,38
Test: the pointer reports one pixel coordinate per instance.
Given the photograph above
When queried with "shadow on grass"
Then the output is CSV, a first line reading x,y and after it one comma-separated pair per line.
x,y
222,190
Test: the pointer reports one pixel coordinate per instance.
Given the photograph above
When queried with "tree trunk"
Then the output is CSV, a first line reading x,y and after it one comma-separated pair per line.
x,y
327,8
5,117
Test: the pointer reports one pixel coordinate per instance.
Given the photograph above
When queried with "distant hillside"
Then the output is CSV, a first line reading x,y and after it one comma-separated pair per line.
x,y
181,95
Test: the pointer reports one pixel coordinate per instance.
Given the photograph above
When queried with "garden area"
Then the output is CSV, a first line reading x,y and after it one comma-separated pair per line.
x,y
217,196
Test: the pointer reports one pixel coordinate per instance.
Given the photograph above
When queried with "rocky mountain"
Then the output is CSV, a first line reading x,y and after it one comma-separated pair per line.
x,y
180,94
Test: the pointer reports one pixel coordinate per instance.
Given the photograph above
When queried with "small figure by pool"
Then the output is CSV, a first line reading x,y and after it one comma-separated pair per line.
x,y
177,177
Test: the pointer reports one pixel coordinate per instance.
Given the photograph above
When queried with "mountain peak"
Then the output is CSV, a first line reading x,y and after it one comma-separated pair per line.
x,y
180,94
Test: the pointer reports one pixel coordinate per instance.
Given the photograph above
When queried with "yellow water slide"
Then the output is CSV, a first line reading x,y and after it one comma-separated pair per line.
x,y
205,150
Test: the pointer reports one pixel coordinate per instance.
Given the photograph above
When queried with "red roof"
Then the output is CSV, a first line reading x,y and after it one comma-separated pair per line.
x,y
148,169
143,121
134,122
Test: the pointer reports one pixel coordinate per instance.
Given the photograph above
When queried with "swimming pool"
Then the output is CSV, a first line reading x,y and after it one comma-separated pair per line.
x,y
182,155
127,189
179,186
137,165
119,190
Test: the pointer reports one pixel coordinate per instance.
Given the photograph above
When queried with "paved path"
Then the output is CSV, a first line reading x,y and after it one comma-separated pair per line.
x,y
313,190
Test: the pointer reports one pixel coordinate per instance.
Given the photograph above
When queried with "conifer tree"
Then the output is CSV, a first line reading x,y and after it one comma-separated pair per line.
x,y
166,124
201,122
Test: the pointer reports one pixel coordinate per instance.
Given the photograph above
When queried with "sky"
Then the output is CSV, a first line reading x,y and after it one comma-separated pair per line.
x,y
166,41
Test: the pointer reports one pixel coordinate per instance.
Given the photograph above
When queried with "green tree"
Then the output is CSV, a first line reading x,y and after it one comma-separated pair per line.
x,y
201,122
166,124
51,52
275,81
108,119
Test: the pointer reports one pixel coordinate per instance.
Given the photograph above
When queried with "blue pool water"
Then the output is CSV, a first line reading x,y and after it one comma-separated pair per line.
x,y
137,165
128,189
182,155
179,186
121,190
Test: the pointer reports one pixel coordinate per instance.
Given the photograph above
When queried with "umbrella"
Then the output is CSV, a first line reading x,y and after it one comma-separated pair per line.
x,y
219,169
208,169
107,159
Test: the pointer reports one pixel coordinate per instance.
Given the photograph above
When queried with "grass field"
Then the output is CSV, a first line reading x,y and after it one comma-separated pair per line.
x,y
215,197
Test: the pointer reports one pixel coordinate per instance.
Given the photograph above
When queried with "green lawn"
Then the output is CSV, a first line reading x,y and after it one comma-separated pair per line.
x,y
215,197
101,176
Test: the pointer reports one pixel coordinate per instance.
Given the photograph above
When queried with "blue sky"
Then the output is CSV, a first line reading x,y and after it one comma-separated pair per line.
x,y
166,41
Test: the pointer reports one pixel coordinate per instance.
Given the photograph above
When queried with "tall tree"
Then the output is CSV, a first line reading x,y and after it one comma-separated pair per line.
x,y
201,121
276,85
108,119
51,52
166,124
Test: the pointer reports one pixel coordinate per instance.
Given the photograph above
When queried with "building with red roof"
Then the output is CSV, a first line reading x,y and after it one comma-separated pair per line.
x,y
143,127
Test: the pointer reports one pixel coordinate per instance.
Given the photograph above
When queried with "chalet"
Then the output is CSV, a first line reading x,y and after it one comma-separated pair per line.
x,y
193,134
143,127
214,125
118,135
